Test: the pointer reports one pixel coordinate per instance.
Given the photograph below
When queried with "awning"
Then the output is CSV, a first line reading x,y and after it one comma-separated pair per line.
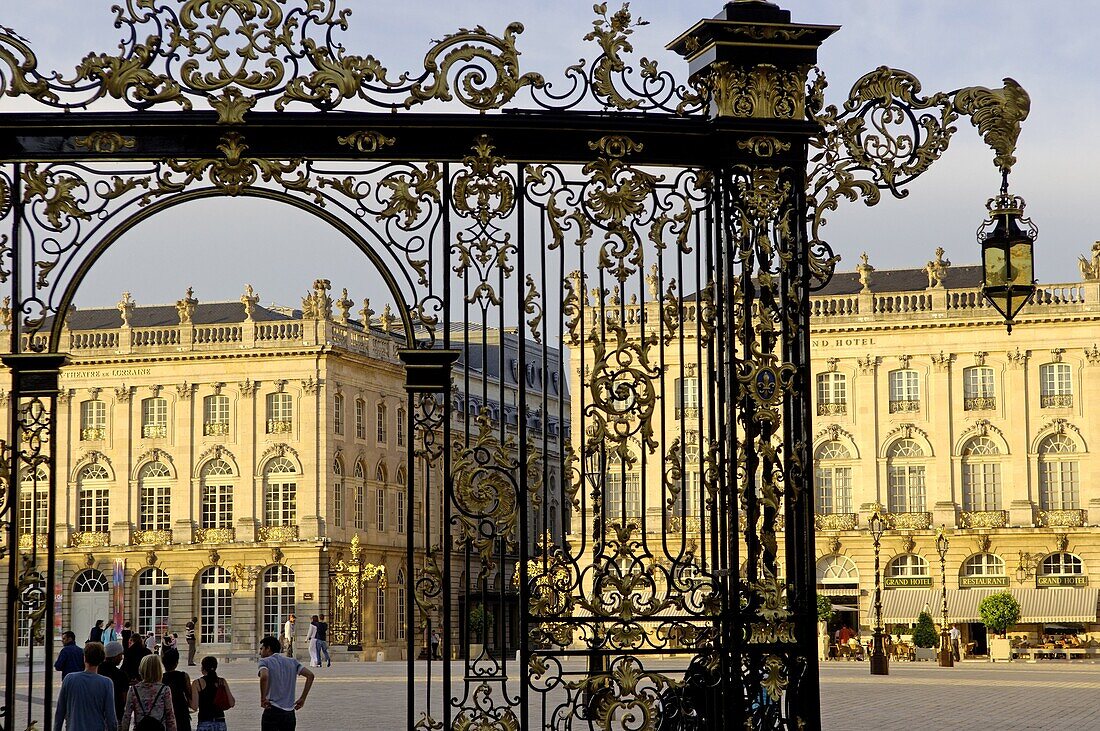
x,y
852,590
1037,606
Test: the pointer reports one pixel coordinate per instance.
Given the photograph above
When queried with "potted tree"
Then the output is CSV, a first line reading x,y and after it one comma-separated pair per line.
x,y
999,612
824,615
925,637
480,620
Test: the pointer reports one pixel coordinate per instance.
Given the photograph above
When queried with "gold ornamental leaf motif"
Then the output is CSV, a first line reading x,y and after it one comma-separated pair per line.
x,y
22,77
407,191
997,113
623,397
775,677
130,78
232,105
486,491
763,145
366,141
106,142
611,35
762,91
482,190
335,78
57,192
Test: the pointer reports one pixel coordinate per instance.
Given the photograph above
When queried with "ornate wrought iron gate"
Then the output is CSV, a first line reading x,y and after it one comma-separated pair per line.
x,y
604,300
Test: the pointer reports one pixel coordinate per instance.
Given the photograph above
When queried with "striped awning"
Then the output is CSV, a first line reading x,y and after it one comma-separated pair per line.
x,y
852,590
1037,606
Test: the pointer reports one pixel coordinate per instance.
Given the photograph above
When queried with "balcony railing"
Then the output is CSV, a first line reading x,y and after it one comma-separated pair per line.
x,y
677,523
152,537
1056,401
215,428
904,406
93,433
90,539
154,431
687,412
280,426
979,403
836,521
277,533
984,519
215,535
834,408
909,521
780,522
1063,518
28,540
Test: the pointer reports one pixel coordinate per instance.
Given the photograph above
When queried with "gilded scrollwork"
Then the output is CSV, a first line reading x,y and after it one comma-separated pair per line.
x,y
366,140
622,393
105,142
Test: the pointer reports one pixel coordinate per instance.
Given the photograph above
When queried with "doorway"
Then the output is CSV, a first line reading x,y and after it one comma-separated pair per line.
x,y
91,602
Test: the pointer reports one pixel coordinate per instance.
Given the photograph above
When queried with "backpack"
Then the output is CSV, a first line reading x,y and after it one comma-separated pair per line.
x,y
221,697
147,722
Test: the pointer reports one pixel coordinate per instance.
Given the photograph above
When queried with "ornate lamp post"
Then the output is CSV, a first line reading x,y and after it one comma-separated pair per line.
x,y
1008,258
942,544
880,661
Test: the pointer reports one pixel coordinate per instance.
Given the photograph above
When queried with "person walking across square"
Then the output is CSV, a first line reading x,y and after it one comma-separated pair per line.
x,y
149,697
311,643
192,642
71,657
288,635
322,641
211,697
86,701
278,674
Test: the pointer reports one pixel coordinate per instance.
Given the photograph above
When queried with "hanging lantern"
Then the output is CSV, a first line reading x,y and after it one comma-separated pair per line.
x,y
1008,258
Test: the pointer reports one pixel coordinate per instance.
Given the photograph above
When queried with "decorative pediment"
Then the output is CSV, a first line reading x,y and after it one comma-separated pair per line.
x,y
91,456
153,455
982,428
275,451
218,451
906,431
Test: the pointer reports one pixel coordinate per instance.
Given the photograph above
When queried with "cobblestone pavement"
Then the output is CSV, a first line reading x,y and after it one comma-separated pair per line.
x,y
1047,696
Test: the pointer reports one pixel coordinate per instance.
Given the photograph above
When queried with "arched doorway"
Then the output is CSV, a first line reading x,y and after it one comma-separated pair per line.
x,y
91,601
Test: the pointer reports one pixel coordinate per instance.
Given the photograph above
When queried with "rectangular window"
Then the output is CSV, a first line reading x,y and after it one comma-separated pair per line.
x,y
94,502
280,504
217,506
359,509
904,391
338,413
360,419
400,511
401,610
380,507
834,490
1055,386
93,420
687,397
1059,485
978,394
338,504
154,418
981,486
907,492
832,394
215,415
155,507
380,615
401,427
280,413
33,510
614,495
380,415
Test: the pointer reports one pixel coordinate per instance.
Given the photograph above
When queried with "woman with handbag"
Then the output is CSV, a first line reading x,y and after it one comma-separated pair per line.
x,y
149,701
211,697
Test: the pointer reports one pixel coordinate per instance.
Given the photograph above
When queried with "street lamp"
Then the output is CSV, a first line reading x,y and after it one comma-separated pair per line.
x,y
1008,257
880,661
942,544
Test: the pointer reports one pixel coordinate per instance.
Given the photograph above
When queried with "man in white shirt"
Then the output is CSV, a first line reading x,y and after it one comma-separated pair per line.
x,y
288,636
955,635
277,680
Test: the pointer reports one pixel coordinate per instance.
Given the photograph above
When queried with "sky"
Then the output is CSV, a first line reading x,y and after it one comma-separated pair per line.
x,y
218,246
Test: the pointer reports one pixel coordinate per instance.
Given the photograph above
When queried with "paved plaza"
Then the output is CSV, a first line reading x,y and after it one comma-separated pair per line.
x,y
973,695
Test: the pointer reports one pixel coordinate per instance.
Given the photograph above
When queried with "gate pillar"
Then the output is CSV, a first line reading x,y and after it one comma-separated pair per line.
x,y
753,63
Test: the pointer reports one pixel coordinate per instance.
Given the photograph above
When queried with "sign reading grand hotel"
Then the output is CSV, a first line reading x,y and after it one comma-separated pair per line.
x,y
972,581
1062,581
907,582
824,343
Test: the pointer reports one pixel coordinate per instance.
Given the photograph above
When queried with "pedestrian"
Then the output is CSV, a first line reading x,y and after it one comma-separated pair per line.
x,y
955,636
86,700
192,643
127,632
96,635
211,697
277,678
151,641
110,668
322,641
180,685
288,635
435,644
110,634
71,657
311,643
132,657
149,698
165,641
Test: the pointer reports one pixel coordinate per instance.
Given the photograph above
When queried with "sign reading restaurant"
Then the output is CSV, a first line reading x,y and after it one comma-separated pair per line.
x,y
907,582
972,581
1062,581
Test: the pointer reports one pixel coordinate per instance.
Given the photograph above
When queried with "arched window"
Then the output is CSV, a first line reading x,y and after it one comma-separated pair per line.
x,y
1061,564
359,507
905,476
400,604
832,394
280,493
380,472
1055,386
93,510
155,497
93,420
338,492
217,494
90,581
34,501
380,614
981,475
280,413
154,417
278,593
833,478
908,564
401,426
978,391
215,415
152,601
215,605
984,564
904,391
837,571
380,419
1059,478
338,413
